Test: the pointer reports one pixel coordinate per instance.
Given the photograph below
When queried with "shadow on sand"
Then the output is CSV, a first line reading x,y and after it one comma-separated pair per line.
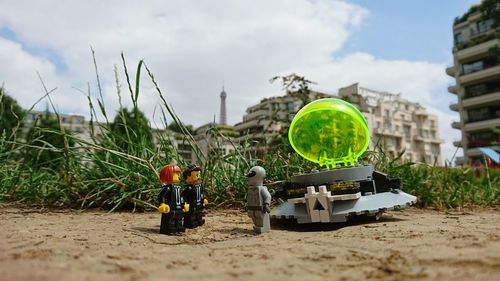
x,y
292,225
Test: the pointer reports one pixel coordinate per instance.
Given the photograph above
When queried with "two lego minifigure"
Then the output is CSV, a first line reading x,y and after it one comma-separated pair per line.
x,y
181,208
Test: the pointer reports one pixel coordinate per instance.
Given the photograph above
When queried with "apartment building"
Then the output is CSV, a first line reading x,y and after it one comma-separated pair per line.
x,y
214,138
75,124
476,70
397,124
79,127
272,116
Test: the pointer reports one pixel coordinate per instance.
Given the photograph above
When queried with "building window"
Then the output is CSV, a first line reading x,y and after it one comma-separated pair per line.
x,y
484,25
479,114
436,149
459,38
425,133
291,106
386,113
481,89
407,131
184,147
275,106
485,138
472,67
479,65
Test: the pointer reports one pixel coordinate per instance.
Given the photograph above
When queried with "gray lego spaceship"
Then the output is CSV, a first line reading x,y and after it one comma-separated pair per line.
x,y
333,133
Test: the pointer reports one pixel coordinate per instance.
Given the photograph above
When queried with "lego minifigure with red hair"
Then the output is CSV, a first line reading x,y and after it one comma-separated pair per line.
x,y
172,205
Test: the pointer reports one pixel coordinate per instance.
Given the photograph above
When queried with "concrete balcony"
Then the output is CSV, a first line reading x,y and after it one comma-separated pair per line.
x,y
421,112
480,75
387,132
451,71
256,114
455,107
453,89
484,99
473,152
481,125
476,152
246,125
438,141
477,51
456,125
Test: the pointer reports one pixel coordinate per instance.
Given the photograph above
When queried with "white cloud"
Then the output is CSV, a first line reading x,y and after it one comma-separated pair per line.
x,y
192,47
19,72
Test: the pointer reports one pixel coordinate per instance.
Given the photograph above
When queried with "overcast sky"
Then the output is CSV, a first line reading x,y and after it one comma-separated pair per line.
x,y
193,46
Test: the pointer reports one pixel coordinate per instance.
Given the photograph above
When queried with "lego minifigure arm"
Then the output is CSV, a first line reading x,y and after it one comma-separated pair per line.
x,y
266,196
266,199
205,200
164,208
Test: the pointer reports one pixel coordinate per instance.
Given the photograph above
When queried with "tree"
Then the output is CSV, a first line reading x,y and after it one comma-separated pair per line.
x,y
46,143
295,86
130,131
176,128
491,10
11,115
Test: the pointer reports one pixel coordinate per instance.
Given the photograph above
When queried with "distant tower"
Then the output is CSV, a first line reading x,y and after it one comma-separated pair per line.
x,y
223,95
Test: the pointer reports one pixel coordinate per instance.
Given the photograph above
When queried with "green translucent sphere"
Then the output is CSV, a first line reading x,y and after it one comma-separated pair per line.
x,y
329,132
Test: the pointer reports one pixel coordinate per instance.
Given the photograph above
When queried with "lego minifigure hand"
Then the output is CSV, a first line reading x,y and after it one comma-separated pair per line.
x,y
205,202
164,208
186,208
267,209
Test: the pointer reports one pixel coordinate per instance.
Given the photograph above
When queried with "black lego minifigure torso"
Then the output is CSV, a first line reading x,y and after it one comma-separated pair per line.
x,y
172,196
193,194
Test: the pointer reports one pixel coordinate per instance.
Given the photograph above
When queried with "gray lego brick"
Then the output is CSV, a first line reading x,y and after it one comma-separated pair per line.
x,y
370,204
358,173
374,203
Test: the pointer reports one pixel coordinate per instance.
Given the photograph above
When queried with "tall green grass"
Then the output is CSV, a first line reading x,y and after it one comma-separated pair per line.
x,y
442,187
101,173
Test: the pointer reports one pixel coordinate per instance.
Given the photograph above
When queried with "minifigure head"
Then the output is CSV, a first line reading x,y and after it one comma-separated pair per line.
x,y
170,174
192,174
256,176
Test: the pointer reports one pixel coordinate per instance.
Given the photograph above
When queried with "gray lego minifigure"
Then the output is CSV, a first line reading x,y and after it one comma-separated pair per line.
x,y
258,200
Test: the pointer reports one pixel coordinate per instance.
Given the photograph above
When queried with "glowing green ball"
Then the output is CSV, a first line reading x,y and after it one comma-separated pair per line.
x,y
329,132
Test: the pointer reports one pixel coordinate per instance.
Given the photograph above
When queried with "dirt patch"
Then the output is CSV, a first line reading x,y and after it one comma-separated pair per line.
x,y
413,244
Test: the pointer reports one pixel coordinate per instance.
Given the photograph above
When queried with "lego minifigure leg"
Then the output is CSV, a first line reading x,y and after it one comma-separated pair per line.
x,y
179,227
188,220
199,218
164,224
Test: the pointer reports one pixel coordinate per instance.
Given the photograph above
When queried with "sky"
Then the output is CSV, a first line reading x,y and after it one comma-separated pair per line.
x,y
193,48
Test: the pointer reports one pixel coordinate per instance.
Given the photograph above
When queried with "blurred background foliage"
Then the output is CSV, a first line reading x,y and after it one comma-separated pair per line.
x,y
117,166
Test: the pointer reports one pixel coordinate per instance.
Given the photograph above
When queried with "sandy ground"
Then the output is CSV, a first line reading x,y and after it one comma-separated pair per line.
x,y
413,244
